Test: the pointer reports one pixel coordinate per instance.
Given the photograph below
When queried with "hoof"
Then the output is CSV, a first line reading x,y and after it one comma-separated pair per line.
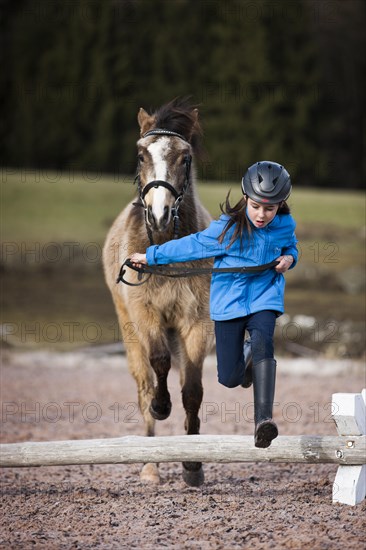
x,y
160,412
150,474
193,474
265,432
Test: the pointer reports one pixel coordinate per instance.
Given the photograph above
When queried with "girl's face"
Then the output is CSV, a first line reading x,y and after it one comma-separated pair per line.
x,y
261,214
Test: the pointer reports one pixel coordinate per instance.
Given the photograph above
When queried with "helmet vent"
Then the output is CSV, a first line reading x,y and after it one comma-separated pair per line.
x,y
260,178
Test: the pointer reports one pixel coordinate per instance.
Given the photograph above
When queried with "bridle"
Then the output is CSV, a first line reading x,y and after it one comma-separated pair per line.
x,y
143,191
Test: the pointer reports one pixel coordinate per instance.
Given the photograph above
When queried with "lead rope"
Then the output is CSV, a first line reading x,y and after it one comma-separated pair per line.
x,y
179,271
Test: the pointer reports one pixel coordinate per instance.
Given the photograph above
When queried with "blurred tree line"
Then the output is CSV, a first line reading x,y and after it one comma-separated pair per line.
x,y
279,80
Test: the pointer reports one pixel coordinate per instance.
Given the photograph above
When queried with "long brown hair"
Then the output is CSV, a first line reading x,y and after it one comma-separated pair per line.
x,y
238,217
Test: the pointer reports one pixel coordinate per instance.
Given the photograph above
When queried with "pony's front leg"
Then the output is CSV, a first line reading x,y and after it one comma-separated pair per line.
x,y
196,345
159,356
192,393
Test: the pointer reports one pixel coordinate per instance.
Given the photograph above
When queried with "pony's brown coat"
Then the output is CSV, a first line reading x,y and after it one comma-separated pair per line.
x,y
164,318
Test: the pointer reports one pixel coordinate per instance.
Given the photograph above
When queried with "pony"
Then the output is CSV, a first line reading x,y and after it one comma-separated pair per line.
x,y
165,319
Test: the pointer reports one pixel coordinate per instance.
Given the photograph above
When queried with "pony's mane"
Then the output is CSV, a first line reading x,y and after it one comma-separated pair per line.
x,y
178,116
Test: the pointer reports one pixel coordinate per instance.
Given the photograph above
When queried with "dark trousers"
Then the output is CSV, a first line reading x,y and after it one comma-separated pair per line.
x,y
229,344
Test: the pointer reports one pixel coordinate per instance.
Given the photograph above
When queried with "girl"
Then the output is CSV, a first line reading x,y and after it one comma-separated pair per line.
x,y
257,230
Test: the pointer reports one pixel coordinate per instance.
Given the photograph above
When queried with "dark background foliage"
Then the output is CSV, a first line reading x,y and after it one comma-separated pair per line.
x,y
279,80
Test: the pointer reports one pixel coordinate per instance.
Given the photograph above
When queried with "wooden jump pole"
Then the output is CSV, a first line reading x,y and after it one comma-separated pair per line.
x,y
348,449
185,448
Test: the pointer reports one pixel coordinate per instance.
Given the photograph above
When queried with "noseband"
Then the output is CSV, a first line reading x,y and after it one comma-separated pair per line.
x,y
161,183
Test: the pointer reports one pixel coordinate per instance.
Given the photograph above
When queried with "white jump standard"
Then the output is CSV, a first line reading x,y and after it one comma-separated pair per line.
x,y
349,414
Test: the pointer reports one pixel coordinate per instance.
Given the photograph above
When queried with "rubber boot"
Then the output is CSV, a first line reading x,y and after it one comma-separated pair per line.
x,y
248,362
264,379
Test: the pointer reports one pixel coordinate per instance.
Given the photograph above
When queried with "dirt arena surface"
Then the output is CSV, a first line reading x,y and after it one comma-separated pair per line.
x,y
49,396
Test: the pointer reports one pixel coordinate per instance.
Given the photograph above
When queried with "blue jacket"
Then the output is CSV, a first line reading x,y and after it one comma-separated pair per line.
x,y
237,294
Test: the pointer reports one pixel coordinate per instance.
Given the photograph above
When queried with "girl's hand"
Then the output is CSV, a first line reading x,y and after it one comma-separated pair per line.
x,y
138,259
285,263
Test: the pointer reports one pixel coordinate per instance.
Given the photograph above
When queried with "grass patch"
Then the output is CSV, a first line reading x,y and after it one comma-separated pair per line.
x,y
61,206
42,302
79,208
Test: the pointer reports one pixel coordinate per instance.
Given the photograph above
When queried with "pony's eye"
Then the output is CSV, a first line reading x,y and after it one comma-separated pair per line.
x,y
140,157
186,159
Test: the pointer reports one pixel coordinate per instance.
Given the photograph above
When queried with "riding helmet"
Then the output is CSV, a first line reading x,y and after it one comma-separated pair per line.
x,y
266,182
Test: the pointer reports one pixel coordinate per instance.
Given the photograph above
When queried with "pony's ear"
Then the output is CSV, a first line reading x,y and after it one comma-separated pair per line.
x,y
196,127
146,121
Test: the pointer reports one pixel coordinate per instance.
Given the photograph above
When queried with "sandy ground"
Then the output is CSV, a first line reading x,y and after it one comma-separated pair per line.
x,y
73,396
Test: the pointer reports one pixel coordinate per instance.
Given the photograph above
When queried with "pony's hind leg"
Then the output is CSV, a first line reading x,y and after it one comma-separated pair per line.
x,y
139,367
141,371
154,403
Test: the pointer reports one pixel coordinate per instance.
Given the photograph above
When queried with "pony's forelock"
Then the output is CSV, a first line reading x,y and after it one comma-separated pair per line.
x,y
179,115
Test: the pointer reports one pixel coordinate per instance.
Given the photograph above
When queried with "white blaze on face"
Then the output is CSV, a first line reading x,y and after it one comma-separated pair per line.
x,y
158,151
